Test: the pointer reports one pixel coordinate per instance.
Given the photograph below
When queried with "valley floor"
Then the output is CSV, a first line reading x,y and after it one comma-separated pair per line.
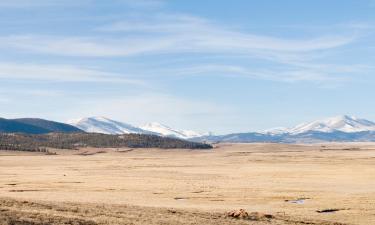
x,y
296,184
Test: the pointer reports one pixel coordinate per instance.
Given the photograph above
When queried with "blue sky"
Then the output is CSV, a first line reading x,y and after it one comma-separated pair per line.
x,y
213,65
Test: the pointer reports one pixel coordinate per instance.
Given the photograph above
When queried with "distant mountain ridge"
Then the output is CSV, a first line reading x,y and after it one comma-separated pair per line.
x,y
107,126
170,132
35,126
335,129
348,124
339,129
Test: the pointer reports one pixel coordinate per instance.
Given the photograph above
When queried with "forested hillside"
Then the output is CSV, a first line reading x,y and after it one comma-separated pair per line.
x,y
34,126
38,142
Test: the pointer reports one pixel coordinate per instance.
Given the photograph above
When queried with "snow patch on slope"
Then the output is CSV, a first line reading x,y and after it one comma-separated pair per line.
x,y
347,124
105,126
167,131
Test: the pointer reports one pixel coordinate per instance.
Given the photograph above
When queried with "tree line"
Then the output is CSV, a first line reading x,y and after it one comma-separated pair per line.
x,y
40,142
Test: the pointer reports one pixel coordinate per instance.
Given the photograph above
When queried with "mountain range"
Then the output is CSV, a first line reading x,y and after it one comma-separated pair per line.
x,y
334,129
348,124
339,128
108,126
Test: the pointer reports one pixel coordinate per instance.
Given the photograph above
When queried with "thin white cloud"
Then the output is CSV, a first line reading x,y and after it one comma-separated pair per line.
x,y
40,3
143,3
31,92
84,47
169,34
289,75
159,23
18,4
179,34
59,73
198,33
202,43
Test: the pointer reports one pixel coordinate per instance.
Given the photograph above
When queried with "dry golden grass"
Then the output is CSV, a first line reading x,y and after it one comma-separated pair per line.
x,y
25,212
142,186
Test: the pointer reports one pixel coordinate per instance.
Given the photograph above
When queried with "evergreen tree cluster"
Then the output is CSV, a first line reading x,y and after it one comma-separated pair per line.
x,y
40,142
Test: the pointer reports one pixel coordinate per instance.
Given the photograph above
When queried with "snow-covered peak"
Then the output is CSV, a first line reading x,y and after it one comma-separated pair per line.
x,y
167,131
344,123
105,126
87,119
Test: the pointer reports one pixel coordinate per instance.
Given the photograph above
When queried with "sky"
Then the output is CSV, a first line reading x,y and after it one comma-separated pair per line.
x,y
213,65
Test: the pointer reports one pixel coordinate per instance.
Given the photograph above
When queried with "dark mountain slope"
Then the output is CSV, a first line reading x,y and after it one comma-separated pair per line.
x,y
51,126
10,126
34,126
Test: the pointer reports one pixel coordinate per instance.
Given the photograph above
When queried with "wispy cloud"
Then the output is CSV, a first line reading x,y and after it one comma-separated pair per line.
x,y
84,46
31,92
201,34
60,73
290,75
161,33
169,34
143,3
17,4
40,3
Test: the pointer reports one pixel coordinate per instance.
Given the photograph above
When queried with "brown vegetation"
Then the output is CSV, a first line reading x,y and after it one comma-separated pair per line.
x,y
22,212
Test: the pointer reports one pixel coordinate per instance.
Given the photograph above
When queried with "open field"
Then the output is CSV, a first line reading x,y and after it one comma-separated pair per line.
x,y
150,186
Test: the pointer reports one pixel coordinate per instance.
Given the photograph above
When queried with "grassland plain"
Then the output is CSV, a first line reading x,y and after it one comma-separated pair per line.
x,y
296,184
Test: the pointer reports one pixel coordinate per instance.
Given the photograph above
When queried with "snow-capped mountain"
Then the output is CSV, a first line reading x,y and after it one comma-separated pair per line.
x,y
337,129
164,130
105,126
348,124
